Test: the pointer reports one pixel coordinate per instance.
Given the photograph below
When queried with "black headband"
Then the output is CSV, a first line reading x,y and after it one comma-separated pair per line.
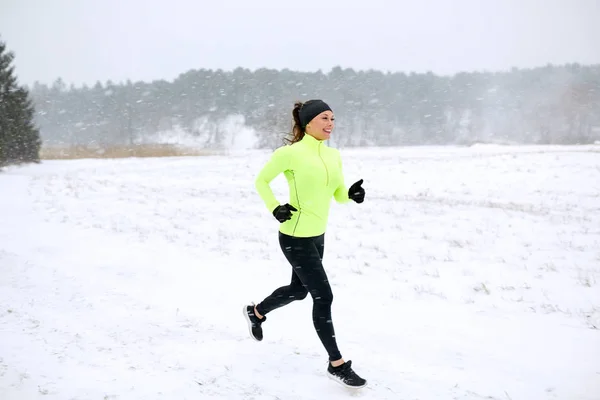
x,y
311,109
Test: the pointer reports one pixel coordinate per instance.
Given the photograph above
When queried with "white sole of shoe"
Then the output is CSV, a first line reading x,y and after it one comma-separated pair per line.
x,y
339,381
247,318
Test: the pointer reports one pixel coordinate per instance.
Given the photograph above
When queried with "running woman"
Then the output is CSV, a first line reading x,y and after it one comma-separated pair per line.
x,y
314,175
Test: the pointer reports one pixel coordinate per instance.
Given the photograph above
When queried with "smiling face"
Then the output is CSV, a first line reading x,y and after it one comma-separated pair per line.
x,y
321,126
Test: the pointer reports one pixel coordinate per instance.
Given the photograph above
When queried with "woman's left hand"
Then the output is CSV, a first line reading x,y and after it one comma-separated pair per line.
x,y
356,192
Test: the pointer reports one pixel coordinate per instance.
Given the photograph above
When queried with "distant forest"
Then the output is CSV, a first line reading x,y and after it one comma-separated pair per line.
x,y
244,108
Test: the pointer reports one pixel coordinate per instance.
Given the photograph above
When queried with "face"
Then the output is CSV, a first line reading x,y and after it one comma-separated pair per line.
x,y
321,126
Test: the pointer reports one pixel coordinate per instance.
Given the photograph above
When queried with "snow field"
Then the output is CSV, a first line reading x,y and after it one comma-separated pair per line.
x,y
467,273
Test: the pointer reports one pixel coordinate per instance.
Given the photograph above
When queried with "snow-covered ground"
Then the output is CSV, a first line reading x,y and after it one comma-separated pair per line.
x,y
468,273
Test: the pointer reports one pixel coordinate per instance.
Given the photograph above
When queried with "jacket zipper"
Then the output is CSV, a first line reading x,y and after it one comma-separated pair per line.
x,y
325,165
299,206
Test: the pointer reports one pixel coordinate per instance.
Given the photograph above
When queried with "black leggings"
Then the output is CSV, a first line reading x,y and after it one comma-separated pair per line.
x,y
308,276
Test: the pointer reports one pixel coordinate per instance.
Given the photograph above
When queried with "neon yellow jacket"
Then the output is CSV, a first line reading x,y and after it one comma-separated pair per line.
x,y
314,175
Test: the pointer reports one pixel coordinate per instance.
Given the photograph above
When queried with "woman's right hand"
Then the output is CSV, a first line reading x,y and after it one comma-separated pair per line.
x,y
284,212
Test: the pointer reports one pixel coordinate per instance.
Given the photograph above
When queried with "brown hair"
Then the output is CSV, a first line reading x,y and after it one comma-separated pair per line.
x,y
297,130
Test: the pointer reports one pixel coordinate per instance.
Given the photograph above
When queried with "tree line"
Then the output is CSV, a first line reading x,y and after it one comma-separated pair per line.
x,y
544,105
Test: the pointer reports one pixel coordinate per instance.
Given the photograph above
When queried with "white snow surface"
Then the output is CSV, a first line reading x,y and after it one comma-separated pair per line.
x,y
467,273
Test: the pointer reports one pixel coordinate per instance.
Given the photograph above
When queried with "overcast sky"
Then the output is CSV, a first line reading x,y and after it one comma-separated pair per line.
x,y
91,40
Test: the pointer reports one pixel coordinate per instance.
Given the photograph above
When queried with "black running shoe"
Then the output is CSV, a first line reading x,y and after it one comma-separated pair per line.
x,y
344,375
254,323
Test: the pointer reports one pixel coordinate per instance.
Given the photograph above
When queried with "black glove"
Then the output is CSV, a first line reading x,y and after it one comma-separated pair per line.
x,y
356,192
283,213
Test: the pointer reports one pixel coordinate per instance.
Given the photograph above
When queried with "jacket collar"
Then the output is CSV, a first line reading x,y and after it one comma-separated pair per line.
x,y
311,142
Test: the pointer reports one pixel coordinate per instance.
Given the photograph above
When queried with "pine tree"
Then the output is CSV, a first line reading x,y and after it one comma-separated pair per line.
x,y
19,138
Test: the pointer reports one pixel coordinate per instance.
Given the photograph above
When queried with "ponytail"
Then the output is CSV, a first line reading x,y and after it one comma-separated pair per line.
x,y
297,131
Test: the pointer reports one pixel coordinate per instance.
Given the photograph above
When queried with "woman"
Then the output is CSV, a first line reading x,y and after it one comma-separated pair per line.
x,y
314,174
